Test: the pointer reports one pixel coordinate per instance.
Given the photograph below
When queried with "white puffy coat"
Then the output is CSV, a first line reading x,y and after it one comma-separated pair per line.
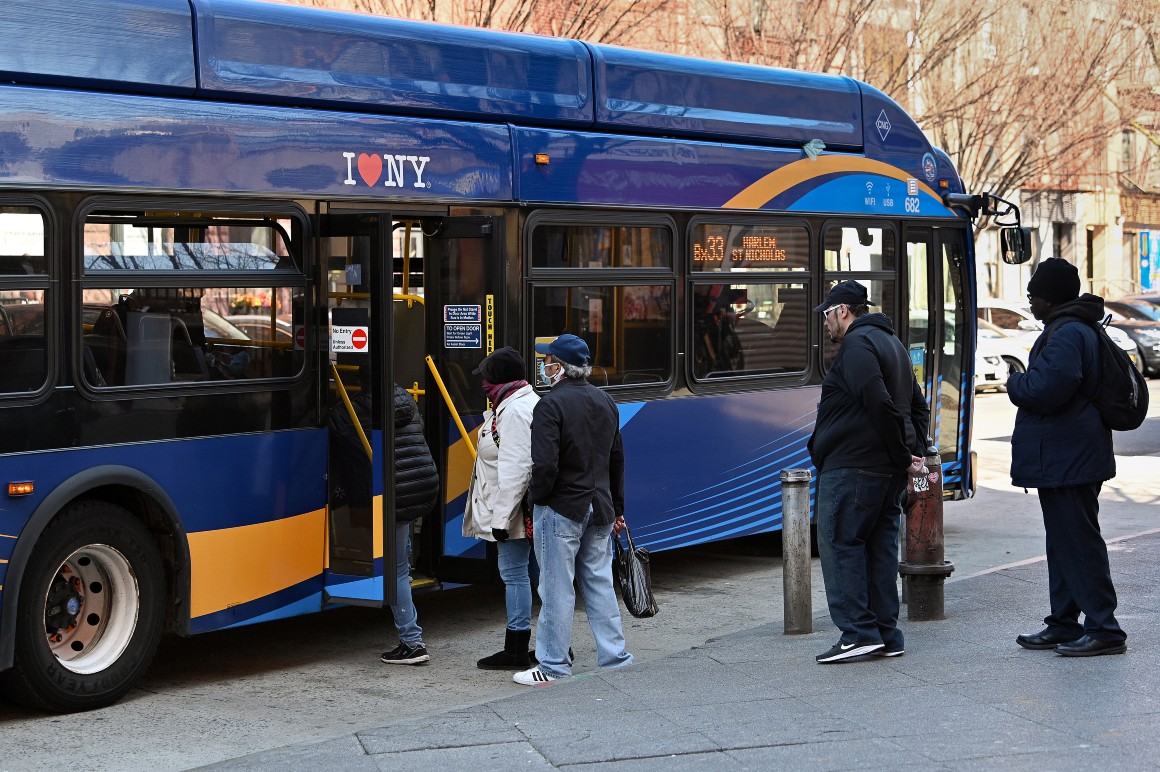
x,y
502,472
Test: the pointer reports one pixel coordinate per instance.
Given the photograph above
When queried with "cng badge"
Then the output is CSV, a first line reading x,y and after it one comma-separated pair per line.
x,y
349,340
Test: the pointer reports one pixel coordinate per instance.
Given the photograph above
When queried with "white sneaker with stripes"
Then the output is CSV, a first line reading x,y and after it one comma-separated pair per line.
x,y
533,677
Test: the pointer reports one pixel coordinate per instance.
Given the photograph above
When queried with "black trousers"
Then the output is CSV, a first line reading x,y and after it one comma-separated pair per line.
x,y
1078,575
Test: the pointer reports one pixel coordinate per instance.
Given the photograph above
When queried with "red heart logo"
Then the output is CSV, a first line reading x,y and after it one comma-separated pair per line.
x,y
370,167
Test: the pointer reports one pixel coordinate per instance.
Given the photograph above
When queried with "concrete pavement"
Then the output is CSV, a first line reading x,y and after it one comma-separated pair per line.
x,y
964,696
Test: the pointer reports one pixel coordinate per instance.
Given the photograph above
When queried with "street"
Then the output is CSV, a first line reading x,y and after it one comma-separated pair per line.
x,y
227,694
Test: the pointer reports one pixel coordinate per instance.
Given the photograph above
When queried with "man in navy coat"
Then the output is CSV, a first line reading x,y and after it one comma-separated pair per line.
x,y
1061,447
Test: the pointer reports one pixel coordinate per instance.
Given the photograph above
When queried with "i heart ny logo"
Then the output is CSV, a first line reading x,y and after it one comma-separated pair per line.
x,y
390,170
370,168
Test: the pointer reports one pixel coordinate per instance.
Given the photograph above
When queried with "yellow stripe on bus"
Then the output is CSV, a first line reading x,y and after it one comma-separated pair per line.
x,y
777,182
237,565
459,463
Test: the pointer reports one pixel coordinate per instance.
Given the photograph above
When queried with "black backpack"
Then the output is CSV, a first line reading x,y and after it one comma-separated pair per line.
x,y
1121,396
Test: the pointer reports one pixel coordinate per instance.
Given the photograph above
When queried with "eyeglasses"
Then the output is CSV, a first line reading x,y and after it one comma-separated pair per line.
x,y
831,308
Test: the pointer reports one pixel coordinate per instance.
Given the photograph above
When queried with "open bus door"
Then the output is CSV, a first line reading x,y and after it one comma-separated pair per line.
x,y
355,247
441,324
464,275
938,339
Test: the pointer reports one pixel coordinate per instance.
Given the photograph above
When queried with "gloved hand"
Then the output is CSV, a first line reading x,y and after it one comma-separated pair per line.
x,y
500,534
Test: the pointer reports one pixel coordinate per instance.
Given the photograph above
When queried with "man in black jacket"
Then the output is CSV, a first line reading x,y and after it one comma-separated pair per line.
x,y
1061,446
870,433
577,490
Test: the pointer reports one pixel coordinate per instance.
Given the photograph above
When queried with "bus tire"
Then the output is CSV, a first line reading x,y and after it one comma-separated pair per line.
x,y
91,609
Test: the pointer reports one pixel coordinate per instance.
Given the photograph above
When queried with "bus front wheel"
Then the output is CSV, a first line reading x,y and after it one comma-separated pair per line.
x,y
90,612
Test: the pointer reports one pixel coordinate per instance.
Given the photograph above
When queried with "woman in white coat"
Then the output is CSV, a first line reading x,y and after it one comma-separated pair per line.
x,y
503,467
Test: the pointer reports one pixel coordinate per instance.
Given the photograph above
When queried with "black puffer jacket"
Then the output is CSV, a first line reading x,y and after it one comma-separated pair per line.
x,y
416,478
1059,438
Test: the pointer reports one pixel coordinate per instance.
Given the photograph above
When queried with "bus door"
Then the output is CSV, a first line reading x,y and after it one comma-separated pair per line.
x,y
937,338
464,275
355,249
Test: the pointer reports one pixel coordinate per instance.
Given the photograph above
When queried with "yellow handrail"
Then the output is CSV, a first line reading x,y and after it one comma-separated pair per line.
x,y
350,409
451,407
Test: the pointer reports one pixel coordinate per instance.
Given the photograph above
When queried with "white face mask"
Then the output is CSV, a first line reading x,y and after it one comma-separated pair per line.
x,y
549,380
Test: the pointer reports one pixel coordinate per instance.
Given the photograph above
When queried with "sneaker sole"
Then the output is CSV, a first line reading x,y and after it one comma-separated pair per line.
x,y
857,651
414,661
884,653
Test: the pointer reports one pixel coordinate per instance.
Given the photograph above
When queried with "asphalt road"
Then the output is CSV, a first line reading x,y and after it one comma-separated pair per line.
x,y
227,694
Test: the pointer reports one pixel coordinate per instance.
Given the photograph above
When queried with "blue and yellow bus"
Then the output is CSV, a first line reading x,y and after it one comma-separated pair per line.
x,y
219,219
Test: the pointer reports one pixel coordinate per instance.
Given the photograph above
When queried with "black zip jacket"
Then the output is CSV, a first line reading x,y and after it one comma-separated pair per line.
x,y
577,456
872,414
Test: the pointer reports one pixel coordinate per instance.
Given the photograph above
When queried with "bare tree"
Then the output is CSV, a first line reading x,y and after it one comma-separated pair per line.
x,y
1013,90
601,21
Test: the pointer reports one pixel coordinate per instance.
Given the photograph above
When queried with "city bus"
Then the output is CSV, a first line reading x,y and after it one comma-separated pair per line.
x,y
220,220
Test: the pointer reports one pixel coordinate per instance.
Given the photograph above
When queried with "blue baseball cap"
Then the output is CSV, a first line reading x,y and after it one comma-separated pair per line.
x,y
567,348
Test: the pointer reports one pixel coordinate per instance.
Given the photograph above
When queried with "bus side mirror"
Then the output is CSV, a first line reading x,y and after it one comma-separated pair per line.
x,y
1015,245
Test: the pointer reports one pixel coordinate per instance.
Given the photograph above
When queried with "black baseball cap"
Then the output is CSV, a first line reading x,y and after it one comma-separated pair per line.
x,y
849,293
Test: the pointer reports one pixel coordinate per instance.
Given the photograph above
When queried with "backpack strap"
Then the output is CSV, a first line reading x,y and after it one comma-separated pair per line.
x,y
1092,389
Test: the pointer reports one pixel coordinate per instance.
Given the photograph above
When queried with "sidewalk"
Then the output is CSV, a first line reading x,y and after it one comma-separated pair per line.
x,y
964,696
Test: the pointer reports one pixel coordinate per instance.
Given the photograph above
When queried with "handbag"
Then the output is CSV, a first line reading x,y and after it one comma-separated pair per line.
x,y
631,570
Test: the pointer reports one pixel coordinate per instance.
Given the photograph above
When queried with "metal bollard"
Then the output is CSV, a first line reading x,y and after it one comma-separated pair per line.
x,y
797,595
924,570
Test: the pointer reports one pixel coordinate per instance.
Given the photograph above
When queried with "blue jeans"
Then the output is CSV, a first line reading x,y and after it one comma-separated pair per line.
x,y
858,518
406,617
569,551
513,569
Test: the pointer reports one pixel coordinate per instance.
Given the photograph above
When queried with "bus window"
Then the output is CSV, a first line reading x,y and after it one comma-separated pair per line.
x,y
860,248
588,246
758,327
160,335
23,356
628,329
137,333
749,329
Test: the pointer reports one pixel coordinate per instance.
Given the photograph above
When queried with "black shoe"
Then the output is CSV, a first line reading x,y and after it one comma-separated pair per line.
x,y
406,655
843,651
890,651
514,655
1091,647
1044,639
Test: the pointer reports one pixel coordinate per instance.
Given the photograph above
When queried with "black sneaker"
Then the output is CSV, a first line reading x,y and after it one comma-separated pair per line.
x,y
842,651
406,655
887,651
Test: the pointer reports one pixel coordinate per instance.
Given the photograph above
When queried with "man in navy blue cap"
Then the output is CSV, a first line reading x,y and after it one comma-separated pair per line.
x,y
577,490
870,432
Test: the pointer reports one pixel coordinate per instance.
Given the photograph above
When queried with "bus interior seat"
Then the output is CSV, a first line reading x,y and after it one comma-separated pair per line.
x,y
107,345
22,363
189,362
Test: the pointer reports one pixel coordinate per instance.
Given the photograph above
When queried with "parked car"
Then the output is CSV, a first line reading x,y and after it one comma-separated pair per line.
x,y
1150,298
1135,308
258,327
990,371
1144,332
1014,350
1017,319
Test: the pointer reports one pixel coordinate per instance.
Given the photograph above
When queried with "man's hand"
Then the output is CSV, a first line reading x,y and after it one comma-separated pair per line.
x,y
618,525
917,465
500,534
